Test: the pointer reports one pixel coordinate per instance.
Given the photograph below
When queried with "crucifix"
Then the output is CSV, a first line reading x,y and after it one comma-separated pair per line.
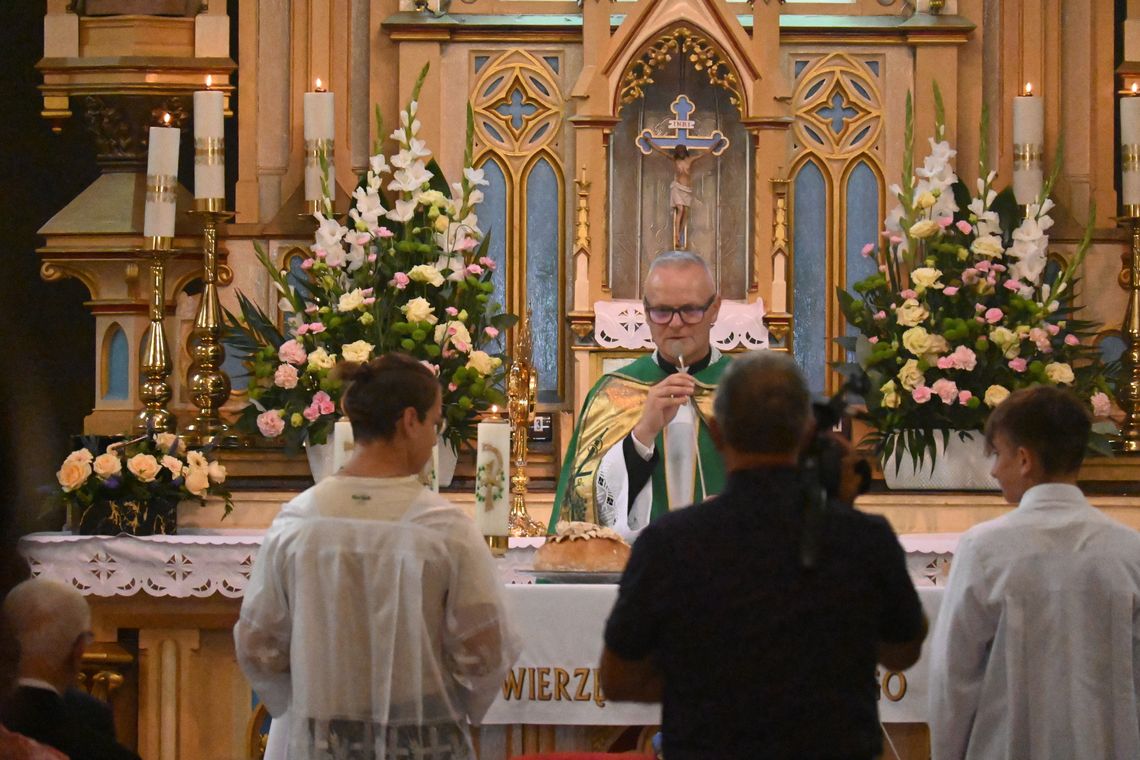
x,y
683,148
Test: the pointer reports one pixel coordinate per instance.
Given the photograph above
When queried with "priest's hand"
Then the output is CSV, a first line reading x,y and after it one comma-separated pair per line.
x,y
662,404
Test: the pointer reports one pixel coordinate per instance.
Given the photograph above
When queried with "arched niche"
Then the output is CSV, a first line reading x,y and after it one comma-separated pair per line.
x,y
682,60
115,364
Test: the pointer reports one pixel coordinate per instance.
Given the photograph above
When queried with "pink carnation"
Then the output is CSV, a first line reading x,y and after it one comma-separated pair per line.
x,y
492,332
880,315
307,264
964,358
964,396
947,390
371,257
950,290
488,262
324,402
270,423
301,330
921,394
311,413
369,301
316,327
1013,285
1052,328
1072,340
1101,406
969,276
983,266
292,352
993,315
400,280
466,244
964,227
1018,364
867,250
979,307
945,362
451,312
1041,338
285,376
384,232
474,269
908,293
873,339
944,221
452,387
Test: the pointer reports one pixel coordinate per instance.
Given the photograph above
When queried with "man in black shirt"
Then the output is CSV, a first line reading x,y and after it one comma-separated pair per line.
x,y
752,654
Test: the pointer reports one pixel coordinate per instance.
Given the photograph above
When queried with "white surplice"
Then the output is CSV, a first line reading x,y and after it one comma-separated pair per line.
x,y
375,616
1036,651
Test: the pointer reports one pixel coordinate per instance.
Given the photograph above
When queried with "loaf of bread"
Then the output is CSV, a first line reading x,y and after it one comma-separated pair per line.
x,y
582,547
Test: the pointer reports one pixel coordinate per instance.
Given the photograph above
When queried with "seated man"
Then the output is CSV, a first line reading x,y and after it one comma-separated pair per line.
x,y
754,651
1036,652
642,445
52,623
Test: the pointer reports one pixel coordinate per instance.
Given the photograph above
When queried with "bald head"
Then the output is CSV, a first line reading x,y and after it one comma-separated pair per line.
x,y
48,618
762,404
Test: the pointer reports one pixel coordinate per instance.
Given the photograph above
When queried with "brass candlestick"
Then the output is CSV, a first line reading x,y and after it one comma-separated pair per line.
x,y
154,391
209,384
522,384
1129,397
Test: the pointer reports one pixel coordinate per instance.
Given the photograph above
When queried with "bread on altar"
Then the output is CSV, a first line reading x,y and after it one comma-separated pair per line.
x,y
582,547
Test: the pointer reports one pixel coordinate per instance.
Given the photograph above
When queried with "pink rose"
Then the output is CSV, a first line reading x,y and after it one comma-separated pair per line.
x,y
964,227
292,352
400,280
311,413
921,394
994,315
964,396
867,250
947,390
492,332
474,269
1018,364
1102,407
488,262
270,423
1072,340
285,376
950,290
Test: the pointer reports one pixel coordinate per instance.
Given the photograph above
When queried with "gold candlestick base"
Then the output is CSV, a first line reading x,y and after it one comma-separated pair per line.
x,y
522,525
497,545
154,363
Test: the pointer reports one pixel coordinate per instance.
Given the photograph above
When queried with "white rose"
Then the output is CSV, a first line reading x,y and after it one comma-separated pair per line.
x,y
350,301
108,464
995,394
217,472
481,362
174,464
1059,373
924,228
321,359
419,310
357,351
73,474
890,393
910,376
197,481
911,313
426,273
988,246
144,467
926,277
918,341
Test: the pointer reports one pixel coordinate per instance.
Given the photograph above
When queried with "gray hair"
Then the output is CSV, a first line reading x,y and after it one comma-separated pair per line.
x,y
48,617
680,259
763,404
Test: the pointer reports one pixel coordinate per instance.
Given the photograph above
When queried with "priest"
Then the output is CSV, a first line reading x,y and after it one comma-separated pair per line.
x,y
642,446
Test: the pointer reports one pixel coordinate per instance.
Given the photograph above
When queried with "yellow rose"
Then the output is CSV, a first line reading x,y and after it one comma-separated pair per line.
x,y
350,301
917,340
890,393
73,473
426,273
1059,373
144,467
926,277
910,376
108,464
197,481
924,228
321,359
911,313
419,310
988,246
481,362
357,351
995,394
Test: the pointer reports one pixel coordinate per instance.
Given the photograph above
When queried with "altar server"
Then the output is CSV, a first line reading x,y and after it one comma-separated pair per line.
x,y
642,446
375,615
754,648
1036,652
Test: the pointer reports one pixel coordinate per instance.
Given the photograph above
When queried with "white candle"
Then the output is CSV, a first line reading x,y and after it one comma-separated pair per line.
x,y
319,132
1028,119
1028,142
1130,149
161,180
1130,119
209,145
492,462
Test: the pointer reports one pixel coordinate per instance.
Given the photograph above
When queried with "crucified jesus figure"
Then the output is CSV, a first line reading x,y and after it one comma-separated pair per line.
x,y
681,190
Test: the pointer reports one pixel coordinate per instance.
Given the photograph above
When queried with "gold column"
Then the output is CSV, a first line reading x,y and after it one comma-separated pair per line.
x,y
522,384
154,391
1129,396
209,384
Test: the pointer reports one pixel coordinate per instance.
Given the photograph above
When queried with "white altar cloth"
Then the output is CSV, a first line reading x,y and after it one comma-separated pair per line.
x,y
554,681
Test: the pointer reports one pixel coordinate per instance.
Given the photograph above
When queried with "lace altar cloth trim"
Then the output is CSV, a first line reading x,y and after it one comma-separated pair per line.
x,y
219,562
621,324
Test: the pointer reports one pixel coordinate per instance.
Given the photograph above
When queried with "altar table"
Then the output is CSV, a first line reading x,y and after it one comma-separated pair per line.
x,y
182,593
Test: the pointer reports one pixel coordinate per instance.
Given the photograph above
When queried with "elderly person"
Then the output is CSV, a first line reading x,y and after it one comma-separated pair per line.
x,y
52,623
374,614
642,446
14,746
752,651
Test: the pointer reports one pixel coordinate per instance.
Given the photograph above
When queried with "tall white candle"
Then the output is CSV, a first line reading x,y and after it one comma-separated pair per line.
x,y
209,144
1130,149
319,133
1028,144
1028,119
161,180
492,462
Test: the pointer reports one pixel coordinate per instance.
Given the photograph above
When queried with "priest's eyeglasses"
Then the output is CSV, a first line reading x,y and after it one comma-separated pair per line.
x,y
689,314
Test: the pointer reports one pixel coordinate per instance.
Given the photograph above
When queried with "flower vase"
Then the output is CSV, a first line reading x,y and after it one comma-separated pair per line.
x,y
321,458
959,465
447,460
154,517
